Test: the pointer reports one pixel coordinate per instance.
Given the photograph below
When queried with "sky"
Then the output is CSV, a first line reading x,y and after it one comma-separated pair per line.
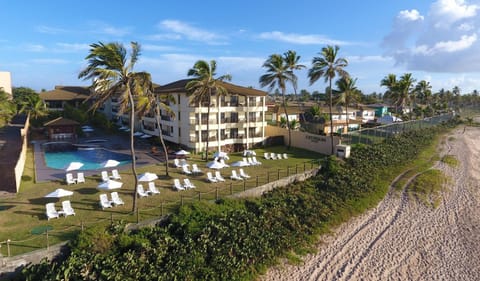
x,y
44,43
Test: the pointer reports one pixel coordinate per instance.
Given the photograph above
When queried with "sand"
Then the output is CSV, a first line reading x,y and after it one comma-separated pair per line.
x,y
402,238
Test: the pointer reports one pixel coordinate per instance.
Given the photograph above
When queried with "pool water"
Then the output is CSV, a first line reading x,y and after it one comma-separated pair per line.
x,y
91,158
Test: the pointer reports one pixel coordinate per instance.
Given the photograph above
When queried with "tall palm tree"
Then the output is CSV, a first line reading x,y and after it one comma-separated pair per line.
x,y
405,91
347,92
113,75
203,87
291,60
151,101
327,65
424,91
278,73
391,83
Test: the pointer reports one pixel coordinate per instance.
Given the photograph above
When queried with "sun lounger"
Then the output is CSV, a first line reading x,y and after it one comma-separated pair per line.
x,y
141,192
266,155
50,211
116,200
115,175
67,209
273,156
243,174
188,184
235,176
195,169
185,170
105,176
176,162
104,202
70,179
245,160
279,156
285,156
250,161
254,159
80,177
218,176
177,185
211,178
152,188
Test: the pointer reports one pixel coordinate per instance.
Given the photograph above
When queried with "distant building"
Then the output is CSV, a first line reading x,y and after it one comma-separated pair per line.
x,y
6,82
55,100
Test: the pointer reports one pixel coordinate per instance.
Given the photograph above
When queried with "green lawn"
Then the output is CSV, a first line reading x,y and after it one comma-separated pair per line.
x,y
23,216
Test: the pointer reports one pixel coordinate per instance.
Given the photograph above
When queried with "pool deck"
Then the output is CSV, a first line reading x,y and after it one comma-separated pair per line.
x,y
116,143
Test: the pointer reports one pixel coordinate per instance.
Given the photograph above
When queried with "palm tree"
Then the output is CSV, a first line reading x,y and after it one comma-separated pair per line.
x,y
328,66
278,73
151,101
112,75
347,92
291,60
405,92
424,91
203,87
390,81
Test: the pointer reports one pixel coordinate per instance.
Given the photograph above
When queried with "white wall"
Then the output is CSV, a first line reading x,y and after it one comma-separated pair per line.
x,y
6,81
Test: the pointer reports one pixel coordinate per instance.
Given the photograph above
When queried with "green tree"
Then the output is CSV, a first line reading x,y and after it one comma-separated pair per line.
x,y
347,93
391,83
151,101
113,75
424,91
327,65
203,86
28,101
276,76
405,92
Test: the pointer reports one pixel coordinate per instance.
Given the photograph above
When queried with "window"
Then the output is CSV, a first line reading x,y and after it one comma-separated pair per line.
x,y
234,133
234,101
251,116
234,117
204,135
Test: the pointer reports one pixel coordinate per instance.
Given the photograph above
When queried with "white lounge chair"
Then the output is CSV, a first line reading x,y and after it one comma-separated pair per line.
x,y
177,185
254,159
242,174
80,177
104,202
250,161
188,184
266,155
273,156
115,175
279,156
152,188
116,200
195,169
185,170
235,176
218,176
245,160
70,179
211,178
67,209
285,156
183,162
105,176
141,192
51,212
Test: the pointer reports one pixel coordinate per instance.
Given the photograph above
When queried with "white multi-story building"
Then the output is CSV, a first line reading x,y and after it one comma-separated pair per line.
x,y
6,82
236,121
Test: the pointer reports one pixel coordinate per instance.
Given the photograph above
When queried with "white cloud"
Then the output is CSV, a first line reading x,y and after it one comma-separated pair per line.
x,y
158,48
412,15
466,27
178,29
103,28
49,29
368,59
301,39
50,61
446,12
35,48
72,47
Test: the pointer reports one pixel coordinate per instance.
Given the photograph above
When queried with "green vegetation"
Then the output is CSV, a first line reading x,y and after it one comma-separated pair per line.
x,y
238,239
450,160
427,187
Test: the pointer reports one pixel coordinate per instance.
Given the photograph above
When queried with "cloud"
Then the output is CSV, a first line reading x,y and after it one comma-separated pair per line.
x,y
158,48
444,40
35,48
107,29
49,30
71,47
301,39
50,61
179,30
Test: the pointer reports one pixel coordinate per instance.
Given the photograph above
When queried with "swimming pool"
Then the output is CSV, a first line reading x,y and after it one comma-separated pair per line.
x,y
58,156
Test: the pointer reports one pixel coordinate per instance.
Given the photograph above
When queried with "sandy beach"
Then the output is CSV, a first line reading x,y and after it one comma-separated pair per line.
x,y
401,238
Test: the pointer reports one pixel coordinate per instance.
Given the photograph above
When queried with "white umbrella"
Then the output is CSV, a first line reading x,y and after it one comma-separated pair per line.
x,y
110,163
87,130
73,166
123,128
240,164
147,177
215,165
137,134
220,154
182,152
86,127
60,192
110,184
146,136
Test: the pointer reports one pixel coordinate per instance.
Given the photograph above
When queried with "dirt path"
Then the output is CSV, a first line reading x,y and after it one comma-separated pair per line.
x,y
401,239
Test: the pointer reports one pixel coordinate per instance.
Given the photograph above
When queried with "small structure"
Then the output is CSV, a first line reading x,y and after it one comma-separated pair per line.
x,y
62,129
342,150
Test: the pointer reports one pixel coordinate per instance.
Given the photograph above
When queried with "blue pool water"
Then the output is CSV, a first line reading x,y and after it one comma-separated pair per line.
x,y
91,158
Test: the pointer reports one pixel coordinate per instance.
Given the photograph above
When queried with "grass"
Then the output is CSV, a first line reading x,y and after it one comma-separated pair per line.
x,y
450,160
427,187
25,212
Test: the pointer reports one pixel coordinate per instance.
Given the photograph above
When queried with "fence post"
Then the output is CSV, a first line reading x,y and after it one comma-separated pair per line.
x,y
138,215
216,192
231,189
161,209
8,245
256,183
244,184
278,174
48,243
181,200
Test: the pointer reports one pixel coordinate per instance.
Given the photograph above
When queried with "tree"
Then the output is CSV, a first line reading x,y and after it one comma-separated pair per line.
x,y
390,81
291,60
151,101
7,107
203,87
328,66
27,100
347,93
405,92
278,72
113,75
424,91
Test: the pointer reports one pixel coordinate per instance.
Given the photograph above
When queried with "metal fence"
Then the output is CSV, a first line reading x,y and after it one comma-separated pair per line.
x,y
378,134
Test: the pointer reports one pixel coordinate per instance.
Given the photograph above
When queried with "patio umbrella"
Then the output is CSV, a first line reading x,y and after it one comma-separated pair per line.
x,y
59,192
240,164
123,128
137,134
182,152
73,166
215,165
146,136
110,184
86,127
110,163
147,177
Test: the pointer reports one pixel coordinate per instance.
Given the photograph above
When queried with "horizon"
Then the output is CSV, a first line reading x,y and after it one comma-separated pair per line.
x,y
436,41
